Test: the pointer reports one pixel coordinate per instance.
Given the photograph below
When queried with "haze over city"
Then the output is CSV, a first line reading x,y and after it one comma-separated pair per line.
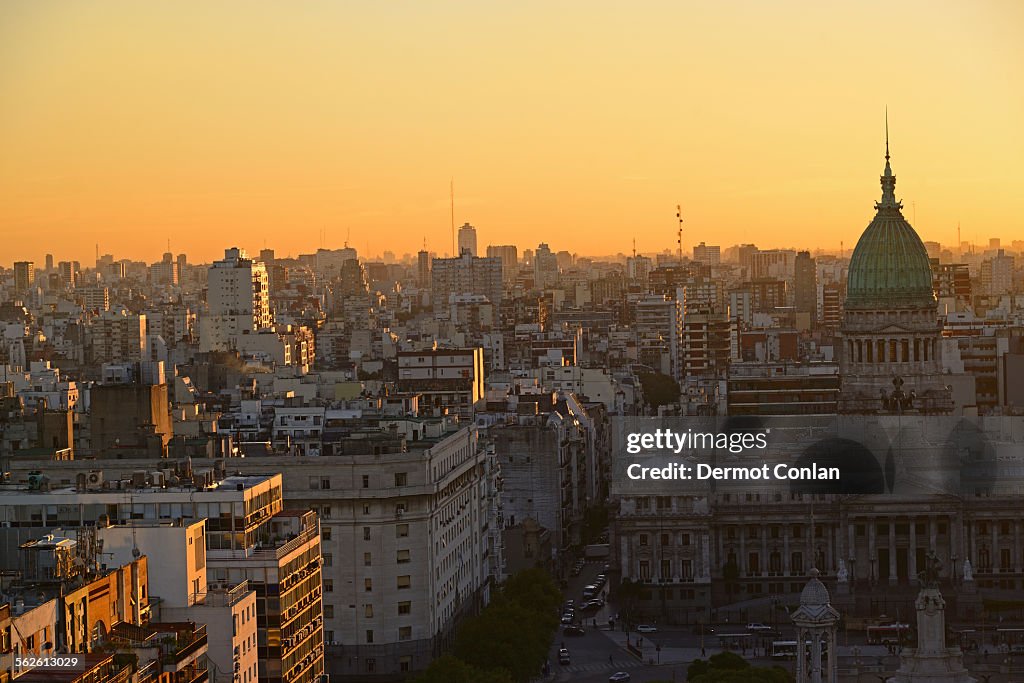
x,y
581,124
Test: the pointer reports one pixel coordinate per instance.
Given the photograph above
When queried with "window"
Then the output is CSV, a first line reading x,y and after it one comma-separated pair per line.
x,y
366,508
645,570
328,611
325,483
367,560
328,559
401,530
405,663
666,570
686,539
401,479
404,581
643,539
366,533
403,556
369,639
405,607
366,481
664,539
368,611
368,584
405,632
328,585
314,483
325,533
325,512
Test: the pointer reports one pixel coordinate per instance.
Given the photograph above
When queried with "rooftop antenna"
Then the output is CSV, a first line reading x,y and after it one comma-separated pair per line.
x,y
348,234
841,249
959,249
634,247
451,194
679,234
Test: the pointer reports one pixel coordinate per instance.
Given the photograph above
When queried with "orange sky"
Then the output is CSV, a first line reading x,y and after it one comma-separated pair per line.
x,y
581,124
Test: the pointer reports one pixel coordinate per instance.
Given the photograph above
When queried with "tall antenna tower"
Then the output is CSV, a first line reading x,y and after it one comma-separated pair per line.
x,y
451,193
634,247
959,249
679,234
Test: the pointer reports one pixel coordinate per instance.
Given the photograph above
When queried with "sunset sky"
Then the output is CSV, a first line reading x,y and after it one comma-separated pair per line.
x,y
581,124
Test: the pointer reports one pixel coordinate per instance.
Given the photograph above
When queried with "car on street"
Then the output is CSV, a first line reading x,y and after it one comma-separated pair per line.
x,y
646,628
568,617
596,603
589,591
573,630
754,627
563,656
620,677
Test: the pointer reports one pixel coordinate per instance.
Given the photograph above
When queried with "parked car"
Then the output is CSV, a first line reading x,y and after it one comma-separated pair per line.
x,y
563,656
568,617
620,677
573,630
646,628
596,603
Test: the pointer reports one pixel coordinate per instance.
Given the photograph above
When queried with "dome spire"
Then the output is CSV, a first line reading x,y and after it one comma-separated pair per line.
x,y
888,179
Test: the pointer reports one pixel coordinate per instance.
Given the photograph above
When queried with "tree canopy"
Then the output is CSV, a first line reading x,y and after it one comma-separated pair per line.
x,y
729,667
659,390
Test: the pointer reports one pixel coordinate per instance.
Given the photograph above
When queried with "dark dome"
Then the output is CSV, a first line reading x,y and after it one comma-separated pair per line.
x,y
889,268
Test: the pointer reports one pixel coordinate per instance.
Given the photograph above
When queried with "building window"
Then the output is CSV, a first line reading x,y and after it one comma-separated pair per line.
x,y
325,533
328,611
666,570
368,611
325,483
403,556
405,632
643,539
328,559
369,639
367,560
366,481
328,585
405,663
404,581
686,539
366,508
314,483
405,607
368,584
401,479
325,512
402,530
645,570
664,539
366,533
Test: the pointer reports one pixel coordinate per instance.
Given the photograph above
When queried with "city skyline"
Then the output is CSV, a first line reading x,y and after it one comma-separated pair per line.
x,y
293,129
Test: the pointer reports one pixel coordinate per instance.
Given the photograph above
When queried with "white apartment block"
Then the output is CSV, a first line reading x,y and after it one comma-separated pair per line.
x,y
238,301
409,543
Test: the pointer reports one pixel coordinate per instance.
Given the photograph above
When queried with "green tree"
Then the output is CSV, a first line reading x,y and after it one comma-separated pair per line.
x,y
659,390
449,669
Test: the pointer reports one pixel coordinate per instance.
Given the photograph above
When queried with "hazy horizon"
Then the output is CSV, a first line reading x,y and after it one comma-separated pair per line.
x,y
582,125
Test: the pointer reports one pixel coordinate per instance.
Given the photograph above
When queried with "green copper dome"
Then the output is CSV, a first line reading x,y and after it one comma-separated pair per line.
x,y
889,267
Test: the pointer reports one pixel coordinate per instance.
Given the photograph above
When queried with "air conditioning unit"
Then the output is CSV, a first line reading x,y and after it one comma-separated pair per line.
x,y
94,480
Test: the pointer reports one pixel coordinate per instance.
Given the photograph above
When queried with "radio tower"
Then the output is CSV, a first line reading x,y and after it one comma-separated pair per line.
x,y
451,190
679,234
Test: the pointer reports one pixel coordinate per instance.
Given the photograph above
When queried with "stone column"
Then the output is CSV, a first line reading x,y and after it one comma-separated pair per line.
x,y
1016,546
912,551
764,550
994,555
872,540
785,550
933,535
892,552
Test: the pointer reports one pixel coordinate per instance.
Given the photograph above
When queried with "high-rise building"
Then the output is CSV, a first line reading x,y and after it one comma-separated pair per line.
x,y
423,268
24,275
805,284
545,267
997,274
707,254
49,263
68,274
238,300
509,256
466,274
164,272
467,240
450,380
118,337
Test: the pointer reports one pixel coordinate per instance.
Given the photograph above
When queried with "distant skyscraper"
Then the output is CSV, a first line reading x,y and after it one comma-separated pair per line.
x,y
467,239
509,256
267,256
67,273
49,263
710,255
238,299
165,272
545,267
997,274
24,275
423,268
805,285
465,275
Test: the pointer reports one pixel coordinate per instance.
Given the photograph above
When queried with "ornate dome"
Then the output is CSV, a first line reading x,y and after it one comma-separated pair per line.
x,y
889,268
814,594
